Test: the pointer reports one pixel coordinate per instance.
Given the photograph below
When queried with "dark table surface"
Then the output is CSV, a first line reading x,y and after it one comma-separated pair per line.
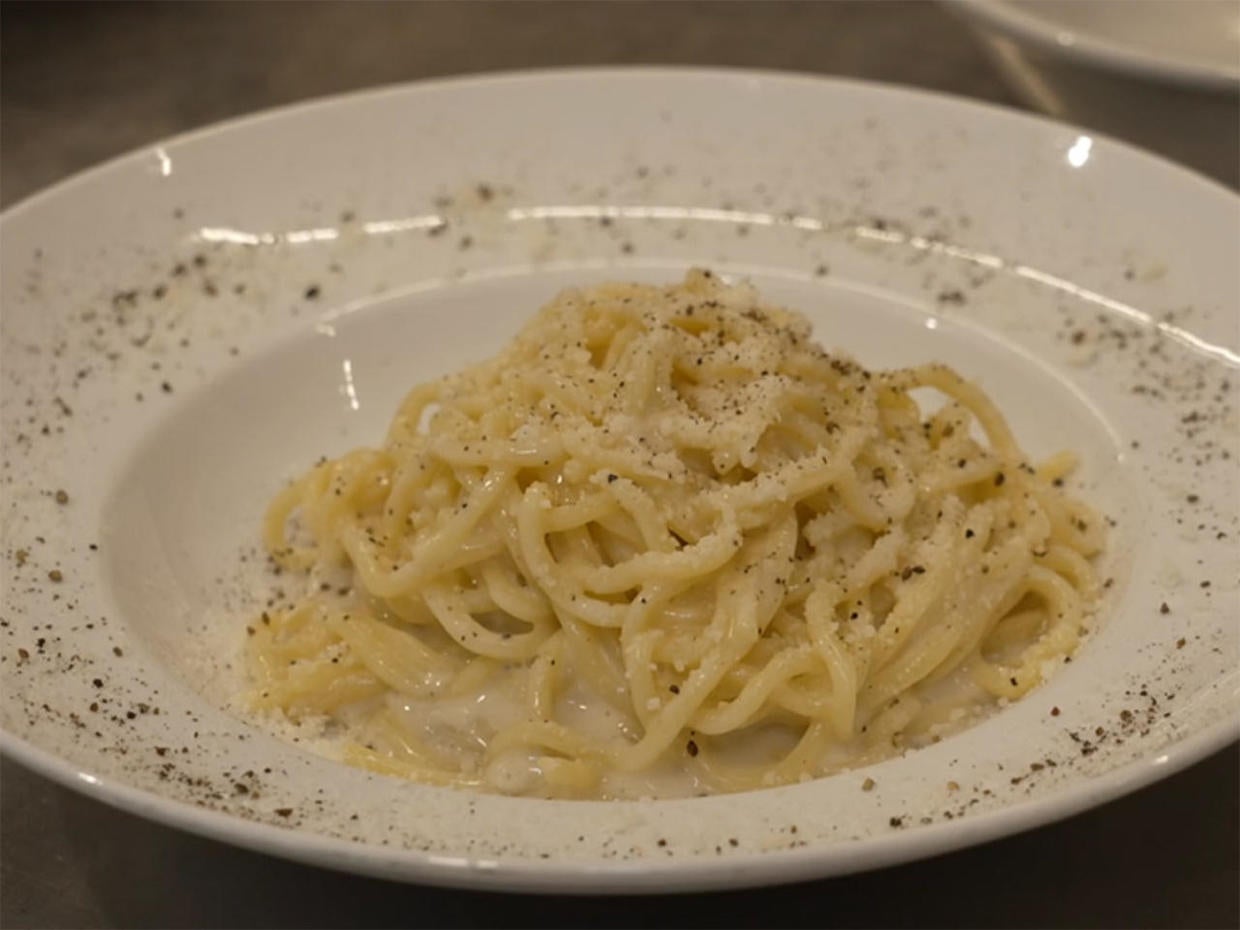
x,y
82,82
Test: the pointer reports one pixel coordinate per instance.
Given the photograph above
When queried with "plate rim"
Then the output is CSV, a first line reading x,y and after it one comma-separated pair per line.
x,y
640,876
628,72
643,875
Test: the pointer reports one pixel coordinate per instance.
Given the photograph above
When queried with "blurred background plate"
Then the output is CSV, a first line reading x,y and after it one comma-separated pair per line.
x,y
1162,73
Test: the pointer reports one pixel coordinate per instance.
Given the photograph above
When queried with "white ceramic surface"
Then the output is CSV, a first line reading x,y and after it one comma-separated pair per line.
x,y
185,327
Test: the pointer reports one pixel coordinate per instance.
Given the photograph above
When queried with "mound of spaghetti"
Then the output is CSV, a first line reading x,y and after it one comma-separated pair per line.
x,y
664,543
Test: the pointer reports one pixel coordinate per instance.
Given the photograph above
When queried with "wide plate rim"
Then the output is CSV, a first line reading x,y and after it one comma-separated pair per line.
x,y
632,72
534,876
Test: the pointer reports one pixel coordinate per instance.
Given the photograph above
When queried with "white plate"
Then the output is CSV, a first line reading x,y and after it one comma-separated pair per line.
x,y
186,326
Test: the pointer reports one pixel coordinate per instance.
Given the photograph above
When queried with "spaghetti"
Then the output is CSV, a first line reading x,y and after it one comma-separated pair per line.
x,y
665,543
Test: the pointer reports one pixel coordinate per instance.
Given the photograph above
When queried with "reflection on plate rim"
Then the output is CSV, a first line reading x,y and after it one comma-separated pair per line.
x,y
644,874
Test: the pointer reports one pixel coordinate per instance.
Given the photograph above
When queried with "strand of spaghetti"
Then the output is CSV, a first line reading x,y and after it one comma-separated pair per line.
x,y
432,553
396,658
813,697
946,552
969,395
1061,637
275,525
979,597
878,562
741,710
523,601
567,596
791,482
639,642
473,636
1068,562
355,482
1071,523
707,555
1056,467
545,674
318,690
638,651
841,670
411,478
644,512
763,562
676,713
404,426
541,734
471,452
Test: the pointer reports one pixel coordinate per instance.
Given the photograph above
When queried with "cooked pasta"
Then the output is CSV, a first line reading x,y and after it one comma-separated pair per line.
x,y
664,543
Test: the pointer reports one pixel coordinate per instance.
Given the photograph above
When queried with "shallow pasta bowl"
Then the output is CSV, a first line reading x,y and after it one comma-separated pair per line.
x,y
186,327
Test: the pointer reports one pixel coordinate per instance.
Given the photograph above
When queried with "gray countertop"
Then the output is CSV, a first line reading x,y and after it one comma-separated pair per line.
x,y
83,82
